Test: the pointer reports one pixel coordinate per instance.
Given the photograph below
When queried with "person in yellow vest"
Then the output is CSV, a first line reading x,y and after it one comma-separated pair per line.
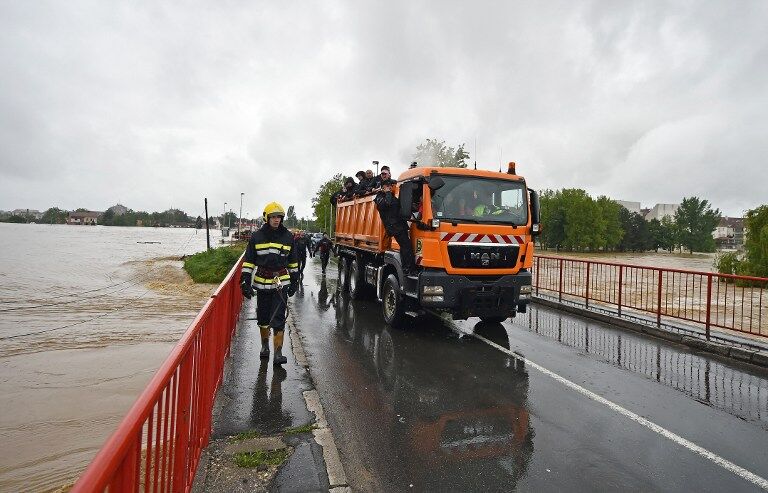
x,y
271,268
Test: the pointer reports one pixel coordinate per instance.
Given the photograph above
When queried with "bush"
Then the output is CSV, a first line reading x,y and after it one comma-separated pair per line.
x,y
728,263
212,266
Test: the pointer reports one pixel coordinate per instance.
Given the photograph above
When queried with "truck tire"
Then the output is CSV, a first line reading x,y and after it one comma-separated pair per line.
x,y
393,304
343,275
493,320
356,283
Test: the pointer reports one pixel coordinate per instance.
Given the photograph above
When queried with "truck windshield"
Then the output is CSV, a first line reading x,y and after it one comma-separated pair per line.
x,y
480,200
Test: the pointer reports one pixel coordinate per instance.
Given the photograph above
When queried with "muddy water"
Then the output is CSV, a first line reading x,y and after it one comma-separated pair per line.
x,y
702,262
71,362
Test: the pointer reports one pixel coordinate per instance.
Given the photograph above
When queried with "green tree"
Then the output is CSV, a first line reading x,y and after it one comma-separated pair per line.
x,y
609,228
695,222
228,219
321,202
756,242
435,153
16,219
54,215
291,221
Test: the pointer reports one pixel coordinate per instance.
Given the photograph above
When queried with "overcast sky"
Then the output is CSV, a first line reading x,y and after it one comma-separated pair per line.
x,y
159,104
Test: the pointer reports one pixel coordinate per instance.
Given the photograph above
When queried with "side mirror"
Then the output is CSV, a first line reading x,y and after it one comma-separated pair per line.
x,y
406,198
535,213
435,183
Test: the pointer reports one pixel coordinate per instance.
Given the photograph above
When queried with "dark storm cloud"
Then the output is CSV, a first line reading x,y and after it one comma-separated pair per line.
x,y
159,104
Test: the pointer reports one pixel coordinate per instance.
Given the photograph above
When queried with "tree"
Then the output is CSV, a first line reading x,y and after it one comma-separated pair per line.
x,y
695,222
321,202
229,219
435,153
199,222
756,242
16,219
609,228
54,215
290,218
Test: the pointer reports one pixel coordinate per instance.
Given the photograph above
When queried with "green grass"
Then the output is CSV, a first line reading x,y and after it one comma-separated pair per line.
x,y
301,429
246,435
213,265
261,458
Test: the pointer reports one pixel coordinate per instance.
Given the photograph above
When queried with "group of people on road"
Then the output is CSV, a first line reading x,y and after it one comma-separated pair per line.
x,y
275,258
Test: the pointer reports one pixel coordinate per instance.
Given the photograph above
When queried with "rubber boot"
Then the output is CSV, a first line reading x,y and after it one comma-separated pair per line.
x,y
279,358
264,353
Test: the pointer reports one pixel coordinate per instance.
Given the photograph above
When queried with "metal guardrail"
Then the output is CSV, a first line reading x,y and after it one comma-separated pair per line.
x,y
157,445
706,299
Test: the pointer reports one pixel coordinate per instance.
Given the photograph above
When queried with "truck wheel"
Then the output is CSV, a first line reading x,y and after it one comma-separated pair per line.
x,y
392,303
343,275
356,285
493,320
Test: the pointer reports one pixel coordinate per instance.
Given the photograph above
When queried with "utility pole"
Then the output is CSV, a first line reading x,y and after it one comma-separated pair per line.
x,y
240,218
207,232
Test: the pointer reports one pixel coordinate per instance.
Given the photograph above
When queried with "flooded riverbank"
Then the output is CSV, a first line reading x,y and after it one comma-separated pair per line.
x,y
87,314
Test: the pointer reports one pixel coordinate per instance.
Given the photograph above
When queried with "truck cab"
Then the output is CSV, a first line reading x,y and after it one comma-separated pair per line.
x,y
472,233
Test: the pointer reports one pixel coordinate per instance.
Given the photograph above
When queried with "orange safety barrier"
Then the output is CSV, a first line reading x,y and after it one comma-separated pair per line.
x,y
158,444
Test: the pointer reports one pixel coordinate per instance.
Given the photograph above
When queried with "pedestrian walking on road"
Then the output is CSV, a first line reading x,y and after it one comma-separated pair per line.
x,y
325,246
271,253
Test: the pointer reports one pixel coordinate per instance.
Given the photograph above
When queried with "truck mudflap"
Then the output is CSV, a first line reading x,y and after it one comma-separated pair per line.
x,y
476,296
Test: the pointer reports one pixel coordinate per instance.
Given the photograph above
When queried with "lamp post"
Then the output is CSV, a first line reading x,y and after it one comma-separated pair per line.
x,y
224,215
240,220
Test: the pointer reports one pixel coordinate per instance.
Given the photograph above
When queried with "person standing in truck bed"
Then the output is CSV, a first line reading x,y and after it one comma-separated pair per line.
x,y
396,227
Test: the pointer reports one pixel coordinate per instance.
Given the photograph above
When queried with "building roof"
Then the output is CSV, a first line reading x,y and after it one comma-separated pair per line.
x,y
84,214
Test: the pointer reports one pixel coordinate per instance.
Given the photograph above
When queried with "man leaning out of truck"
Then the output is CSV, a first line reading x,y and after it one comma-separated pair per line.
x,y
396,227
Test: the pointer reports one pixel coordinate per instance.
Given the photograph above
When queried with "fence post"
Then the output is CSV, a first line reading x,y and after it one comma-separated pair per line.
x,y
621,281
560,284
181,449
586,294
658,301
538,268
709,303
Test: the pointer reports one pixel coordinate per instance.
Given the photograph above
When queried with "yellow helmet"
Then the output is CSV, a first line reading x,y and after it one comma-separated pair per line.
x,y
273,209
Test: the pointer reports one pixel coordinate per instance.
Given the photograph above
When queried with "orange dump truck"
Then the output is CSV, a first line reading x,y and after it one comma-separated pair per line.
x,y
472,233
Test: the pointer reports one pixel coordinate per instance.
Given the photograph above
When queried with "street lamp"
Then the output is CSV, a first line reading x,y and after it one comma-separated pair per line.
x,y
224,215
241,212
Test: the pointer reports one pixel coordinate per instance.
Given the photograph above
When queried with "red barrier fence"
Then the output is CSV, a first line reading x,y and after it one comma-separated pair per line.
x,y
706,299
158,444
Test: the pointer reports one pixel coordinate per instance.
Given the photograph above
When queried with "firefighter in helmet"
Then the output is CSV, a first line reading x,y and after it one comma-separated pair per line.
x,y
271,268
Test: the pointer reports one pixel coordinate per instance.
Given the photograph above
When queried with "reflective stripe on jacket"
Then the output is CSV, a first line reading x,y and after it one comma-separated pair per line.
x,y
271,253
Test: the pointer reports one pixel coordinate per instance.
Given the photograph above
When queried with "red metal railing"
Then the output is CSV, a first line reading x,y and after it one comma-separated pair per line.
x,y
708,299
158,444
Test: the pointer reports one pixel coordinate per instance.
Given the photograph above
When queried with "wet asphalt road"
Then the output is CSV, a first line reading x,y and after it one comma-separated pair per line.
x,y
431,407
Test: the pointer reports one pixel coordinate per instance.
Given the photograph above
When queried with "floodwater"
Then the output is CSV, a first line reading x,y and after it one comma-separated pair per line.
x,y
87,314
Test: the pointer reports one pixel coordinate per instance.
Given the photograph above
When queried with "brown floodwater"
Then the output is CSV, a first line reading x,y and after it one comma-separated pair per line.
x,y
72,362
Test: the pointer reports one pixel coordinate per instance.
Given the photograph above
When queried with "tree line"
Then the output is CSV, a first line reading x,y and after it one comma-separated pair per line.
x,y
572,220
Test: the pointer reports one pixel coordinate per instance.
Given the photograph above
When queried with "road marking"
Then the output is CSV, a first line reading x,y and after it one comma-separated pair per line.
x,y
720,461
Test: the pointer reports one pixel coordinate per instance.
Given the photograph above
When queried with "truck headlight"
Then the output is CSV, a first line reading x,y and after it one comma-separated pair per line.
x,y
432,290
525,290
433,299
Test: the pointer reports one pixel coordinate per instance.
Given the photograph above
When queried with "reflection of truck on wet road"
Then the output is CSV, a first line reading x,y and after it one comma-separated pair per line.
x,y
472,232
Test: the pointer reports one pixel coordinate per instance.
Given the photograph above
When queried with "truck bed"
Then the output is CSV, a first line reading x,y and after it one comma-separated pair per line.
x,y
358,225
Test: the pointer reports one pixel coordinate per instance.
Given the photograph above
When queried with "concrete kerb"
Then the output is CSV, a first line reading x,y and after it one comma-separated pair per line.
x,y
758,358
323,434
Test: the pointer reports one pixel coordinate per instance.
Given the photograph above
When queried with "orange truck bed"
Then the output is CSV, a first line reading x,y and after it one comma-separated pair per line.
x,y
358,225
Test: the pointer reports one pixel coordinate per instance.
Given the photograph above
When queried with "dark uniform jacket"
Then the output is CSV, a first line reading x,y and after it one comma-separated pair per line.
x,y
271,254
364,187
389,210
301,245
324,245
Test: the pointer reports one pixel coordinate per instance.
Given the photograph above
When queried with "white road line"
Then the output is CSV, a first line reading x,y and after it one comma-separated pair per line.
x,y
720,461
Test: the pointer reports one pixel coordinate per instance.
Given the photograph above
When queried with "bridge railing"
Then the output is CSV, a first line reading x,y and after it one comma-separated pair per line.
x,y
705,299
158,444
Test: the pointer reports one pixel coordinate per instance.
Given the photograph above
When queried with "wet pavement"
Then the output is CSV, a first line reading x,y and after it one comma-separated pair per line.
x,y
465,406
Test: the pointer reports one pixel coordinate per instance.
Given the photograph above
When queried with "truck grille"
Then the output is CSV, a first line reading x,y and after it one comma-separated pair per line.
x,y
483,256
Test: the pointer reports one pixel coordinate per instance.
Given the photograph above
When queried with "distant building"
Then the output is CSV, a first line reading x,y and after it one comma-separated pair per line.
x,y
27,212
630,206
118,210
84,217
729,233
660,211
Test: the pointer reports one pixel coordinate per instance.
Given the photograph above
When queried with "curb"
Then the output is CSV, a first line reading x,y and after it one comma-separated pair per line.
x,y
751,356
323,434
